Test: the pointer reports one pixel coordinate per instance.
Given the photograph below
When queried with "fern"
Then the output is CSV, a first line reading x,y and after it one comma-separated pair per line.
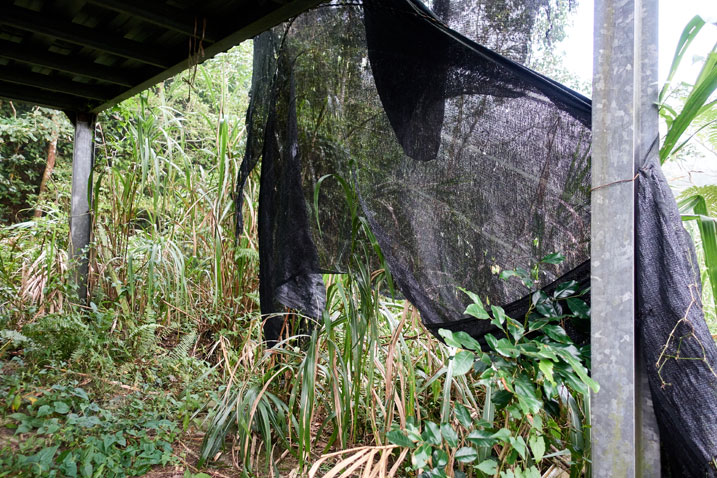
x,y
181,351
79,353
247,253
13,337
144,338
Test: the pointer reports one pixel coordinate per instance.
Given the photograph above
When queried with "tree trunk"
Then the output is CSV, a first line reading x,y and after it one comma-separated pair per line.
x,y
51,155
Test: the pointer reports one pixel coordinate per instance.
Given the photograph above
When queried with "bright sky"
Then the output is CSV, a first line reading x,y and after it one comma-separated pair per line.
x,y
673,16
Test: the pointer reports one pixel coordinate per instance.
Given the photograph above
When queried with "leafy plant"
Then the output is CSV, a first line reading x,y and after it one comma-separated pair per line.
x,y
690,114
697,104
698,206
531,376
64,433
25,133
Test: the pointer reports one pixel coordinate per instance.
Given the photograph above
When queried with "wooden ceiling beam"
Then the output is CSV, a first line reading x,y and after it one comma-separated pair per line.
x,y
67,63
254,20
43,24
59,85
162,15
41,97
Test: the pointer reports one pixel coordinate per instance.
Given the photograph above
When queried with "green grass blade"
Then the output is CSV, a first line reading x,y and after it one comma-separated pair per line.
x,y
688,34
698,97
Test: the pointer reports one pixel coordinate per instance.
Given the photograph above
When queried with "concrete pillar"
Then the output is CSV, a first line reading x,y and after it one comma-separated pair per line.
x,y
625,438
80,209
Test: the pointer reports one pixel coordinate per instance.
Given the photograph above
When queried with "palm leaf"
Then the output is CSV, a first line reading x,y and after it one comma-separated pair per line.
x,y
708,232
696,101
688,34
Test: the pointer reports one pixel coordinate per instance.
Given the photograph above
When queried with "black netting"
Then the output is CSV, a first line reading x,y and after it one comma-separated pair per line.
x,y
465,162
677,346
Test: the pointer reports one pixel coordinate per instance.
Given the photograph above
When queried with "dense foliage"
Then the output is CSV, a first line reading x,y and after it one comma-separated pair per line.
x,y
25,136
165,368
532,379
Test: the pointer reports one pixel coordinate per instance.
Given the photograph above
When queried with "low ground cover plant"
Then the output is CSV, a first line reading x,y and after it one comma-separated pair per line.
x,y
62,432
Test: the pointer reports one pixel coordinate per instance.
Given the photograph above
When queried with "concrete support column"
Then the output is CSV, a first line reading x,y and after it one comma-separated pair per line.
x,y
625,438
80,209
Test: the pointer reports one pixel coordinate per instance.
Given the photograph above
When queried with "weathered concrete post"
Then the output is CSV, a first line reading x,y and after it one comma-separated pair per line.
x,y
80,209
625,439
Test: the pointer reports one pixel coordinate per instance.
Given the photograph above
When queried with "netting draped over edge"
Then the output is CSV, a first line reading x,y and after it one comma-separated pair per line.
x,y
679,351
495,170
464,161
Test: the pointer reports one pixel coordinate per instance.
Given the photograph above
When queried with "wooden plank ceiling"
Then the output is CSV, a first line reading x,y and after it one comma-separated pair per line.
x,y
87,55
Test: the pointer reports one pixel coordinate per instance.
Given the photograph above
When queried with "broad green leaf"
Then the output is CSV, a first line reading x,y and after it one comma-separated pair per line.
x,y
491,341
440,458
501,398
565,374
515,328
548,308
531,472
489,467
87,468
537,446
537,323
519,445
79,392
449,435
537,424
482,438
555,258
486,438
546,366
505,347
463,415
43,458
505,275
462,362
449,338
526,394
466,455
503,435
557,333
68,465
431,433
578,307
420,457
498,316
580,370
61,407
566,289
466,341
538,297
477,310
473,296
545,351
413,432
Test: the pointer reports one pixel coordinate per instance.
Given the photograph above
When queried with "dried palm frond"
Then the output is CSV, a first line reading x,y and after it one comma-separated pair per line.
x,y
364,461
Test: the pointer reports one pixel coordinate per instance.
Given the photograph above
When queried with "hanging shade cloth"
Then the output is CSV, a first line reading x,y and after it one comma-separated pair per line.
x,y
465,163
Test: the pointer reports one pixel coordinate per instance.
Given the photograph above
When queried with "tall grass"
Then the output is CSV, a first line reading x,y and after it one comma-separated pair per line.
x,y
172,286
163,261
